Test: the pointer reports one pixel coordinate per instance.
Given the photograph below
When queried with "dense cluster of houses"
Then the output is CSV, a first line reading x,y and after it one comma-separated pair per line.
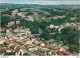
x,y
64,25
18,39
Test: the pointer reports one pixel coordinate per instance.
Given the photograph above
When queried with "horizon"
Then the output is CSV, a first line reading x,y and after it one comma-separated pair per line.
x,y
43,2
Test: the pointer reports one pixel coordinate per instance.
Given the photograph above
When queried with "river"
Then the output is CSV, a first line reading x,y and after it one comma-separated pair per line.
x,y
40,30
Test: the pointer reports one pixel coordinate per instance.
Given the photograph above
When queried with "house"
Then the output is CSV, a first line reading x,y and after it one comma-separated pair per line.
x,y
19,34
65,47
58,47
10,44
59,52
27,39
7,43
2,30
51,26
15,38
67,52
33,49
13,23
54,52
41,44
29,42
67,24
21,38
7,31
50,53
24,37
10,36
2,42
40,49
35,41
17,22
56,27
10,29
3,50
29,32
30,45
59,30
8,50
78,24
18,30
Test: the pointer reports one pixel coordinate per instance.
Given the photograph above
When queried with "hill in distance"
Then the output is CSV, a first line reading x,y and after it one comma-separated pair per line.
x,y
9,5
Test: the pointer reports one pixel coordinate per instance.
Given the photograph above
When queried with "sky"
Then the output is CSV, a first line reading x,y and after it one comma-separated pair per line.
x,y
42,2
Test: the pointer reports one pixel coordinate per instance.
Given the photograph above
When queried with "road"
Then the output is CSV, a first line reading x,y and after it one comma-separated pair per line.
x,y
26,51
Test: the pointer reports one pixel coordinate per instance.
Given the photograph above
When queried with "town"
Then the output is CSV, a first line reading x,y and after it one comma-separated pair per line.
x,y
39,31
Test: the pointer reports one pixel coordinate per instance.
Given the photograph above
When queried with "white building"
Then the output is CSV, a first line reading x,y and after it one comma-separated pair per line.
x,y
51,26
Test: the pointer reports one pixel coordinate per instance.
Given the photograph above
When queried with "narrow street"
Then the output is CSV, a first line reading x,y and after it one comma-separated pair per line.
x,y
26,51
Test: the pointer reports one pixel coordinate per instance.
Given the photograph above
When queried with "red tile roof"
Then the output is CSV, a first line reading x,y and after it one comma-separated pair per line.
x,y
54,52
10,29
2,30
13,22
17,22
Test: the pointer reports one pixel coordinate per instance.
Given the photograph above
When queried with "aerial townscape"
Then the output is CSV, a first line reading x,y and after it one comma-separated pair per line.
x,y
38,30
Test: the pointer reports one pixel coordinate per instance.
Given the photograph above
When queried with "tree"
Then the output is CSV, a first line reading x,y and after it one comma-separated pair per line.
x,y
58,36
46,36
71,38
74,48
67,31
43,24
4,20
